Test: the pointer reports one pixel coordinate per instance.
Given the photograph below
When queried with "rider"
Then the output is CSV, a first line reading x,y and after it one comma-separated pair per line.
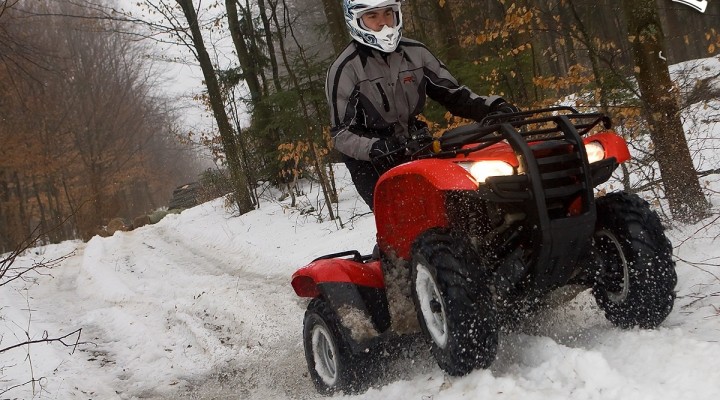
x,y
377,87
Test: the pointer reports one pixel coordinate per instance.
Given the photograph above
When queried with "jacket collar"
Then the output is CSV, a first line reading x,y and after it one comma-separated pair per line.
x,y
366,52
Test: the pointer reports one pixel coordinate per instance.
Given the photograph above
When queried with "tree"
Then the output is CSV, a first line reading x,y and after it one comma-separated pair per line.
x,y
680,180
84,131
447,31
247,42
336,24
238,178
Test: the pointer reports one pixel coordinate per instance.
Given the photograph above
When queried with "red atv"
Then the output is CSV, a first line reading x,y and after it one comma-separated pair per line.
x,y
479,226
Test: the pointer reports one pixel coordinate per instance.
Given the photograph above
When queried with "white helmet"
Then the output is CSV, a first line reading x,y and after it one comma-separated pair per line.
x,y
387,38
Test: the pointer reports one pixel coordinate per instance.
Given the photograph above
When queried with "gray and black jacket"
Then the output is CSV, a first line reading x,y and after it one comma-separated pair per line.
x,y
374,95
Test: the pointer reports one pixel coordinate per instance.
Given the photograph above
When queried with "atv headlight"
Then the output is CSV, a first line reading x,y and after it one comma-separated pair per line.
x,y
481,170
595,151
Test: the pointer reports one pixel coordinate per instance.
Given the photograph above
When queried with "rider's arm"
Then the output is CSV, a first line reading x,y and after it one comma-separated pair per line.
x,y
343,97
458,99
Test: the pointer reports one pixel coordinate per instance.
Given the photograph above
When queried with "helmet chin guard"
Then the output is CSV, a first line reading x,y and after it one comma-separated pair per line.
x,y
387,38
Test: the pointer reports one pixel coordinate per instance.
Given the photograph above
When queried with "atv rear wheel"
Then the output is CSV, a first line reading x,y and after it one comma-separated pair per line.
x,y
636,282
330,361
453,303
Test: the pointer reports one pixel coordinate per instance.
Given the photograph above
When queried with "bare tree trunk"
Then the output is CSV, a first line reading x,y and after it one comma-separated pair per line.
x,y
247,56
249,174
306,112
238,178
446,30
587,40
270,42
22,201
680,180
248,65
414,23
336,25
41,208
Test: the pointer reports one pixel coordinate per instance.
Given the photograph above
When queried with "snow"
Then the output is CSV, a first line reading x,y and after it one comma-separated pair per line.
x,y
199,306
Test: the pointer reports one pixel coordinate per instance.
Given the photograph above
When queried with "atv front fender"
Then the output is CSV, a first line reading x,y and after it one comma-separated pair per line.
x,y
410,199
614,145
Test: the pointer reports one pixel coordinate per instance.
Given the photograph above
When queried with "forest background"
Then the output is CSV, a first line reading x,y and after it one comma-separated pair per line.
x,y
88,132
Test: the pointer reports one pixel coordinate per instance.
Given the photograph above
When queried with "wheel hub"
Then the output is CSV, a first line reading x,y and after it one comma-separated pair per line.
x,y
615,275
431,306
324,355
435,306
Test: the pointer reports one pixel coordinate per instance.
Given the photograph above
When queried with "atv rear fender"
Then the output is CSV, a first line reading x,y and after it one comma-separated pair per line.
x,y
306,280
347,285
410,199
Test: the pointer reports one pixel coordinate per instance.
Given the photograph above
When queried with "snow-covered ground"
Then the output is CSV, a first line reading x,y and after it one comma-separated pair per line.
x,y
199,306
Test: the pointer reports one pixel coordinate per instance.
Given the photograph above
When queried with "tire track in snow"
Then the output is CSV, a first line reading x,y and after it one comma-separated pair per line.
x,y
225,337
567,351
192,314
271,361
258,355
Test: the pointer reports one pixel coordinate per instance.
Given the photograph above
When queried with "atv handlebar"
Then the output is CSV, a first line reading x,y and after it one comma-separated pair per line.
x,y
489,130
496,117
420,142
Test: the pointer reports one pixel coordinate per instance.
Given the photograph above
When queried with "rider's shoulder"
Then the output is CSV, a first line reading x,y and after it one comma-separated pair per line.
x,y
412,43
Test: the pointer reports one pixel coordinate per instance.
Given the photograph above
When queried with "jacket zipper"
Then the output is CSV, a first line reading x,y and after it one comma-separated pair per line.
x,y
386,102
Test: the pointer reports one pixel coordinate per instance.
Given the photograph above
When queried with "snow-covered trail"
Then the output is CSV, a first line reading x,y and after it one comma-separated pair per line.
x,y
200,306
151,301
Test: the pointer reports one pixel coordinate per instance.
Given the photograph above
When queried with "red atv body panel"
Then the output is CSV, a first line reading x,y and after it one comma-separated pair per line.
x,y
615,146
349,284
336,270
410,198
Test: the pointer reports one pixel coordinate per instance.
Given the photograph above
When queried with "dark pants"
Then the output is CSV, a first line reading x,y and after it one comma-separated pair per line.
x,y
365,177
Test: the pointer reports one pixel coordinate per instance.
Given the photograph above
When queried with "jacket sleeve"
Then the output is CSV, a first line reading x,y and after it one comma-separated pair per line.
x,y
458,99
342,96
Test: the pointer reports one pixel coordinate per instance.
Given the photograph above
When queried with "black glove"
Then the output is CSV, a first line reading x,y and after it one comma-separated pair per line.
x,y
385,154
497,111
503,107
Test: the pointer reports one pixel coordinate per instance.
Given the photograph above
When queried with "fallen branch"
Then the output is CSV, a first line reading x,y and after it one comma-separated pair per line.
x,y
697,265
32,381
46,339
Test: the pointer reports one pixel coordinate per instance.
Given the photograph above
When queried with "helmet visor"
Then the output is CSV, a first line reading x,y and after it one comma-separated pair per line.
x,y
374,19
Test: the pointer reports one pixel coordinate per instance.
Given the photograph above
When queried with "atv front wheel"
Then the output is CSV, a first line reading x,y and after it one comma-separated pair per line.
x,y
330,361
636,281
453,303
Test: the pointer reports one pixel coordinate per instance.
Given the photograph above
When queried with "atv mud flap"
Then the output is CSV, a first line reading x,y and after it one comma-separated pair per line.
x,y
356,293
